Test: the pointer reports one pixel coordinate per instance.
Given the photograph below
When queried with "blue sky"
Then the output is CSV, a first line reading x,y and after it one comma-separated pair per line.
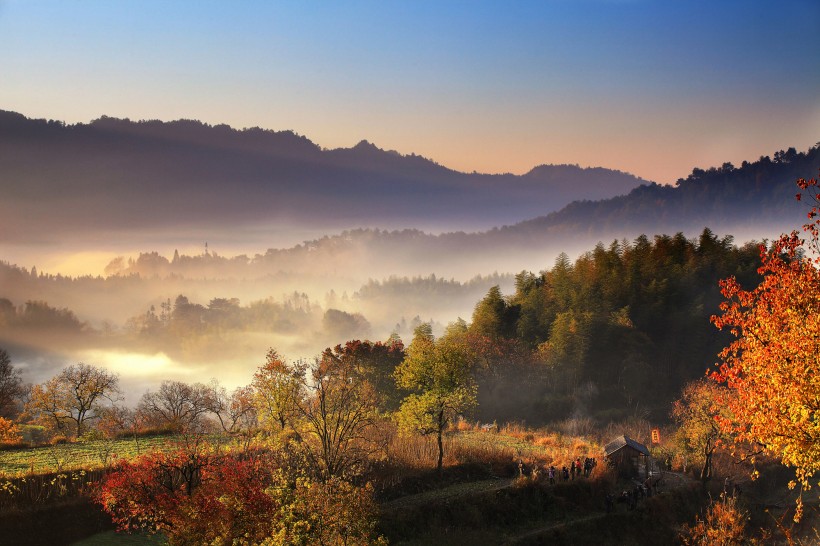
x,y
653,87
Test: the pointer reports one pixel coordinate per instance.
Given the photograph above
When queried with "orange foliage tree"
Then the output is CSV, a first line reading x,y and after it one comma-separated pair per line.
x,y
773,366
277,391
9,432
71,399
336,417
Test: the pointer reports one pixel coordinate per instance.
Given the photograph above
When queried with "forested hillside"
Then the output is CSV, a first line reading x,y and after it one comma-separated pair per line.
x,y
615,333
726,198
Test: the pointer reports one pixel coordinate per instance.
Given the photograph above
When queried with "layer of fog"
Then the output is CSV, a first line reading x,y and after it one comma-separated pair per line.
x,y
385,292
107,308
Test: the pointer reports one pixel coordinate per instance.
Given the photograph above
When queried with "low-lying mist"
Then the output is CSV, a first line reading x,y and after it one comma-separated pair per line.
x,y
194,318
204,310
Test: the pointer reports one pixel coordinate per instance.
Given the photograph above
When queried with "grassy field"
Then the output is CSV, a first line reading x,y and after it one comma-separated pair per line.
x,y
79,455
465,444
538,448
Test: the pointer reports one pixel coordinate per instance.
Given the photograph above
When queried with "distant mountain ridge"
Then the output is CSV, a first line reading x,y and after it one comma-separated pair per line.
x,y
755,200
116,176
120,175
727,198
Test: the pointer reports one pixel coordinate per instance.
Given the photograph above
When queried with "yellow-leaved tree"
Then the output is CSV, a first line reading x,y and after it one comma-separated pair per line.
x,y
437,374
703,404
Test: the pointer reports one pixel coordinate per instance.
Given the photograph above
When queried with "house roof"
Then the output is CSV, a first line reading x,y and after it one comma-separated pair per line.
x,y
623,441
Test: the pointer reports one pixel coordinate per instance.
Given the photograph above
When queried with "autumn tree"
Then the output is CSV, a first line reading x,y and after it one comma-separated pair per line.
x,y
723,524
170,493
73,397
11,386
338,410
9,432
114,422
329,406
493,317
337,512
697,412
177,405
277,390
772,366
568,346
437,374
375,363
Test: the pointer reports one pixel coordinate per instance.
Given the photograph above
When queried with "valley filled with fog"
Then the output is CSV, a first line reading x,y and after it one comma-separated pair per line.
x,y
157,259
194,318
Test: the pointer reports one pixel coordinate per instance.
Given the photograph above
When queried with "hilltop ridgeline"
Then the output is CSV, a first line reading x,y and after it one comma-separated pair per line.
x,y
117,174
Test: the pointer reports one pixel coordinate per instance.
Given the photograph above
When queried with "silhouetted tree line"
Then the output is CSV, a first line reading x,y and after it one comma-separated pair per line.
x,y
38,315
618,331
184,318
725,197
422,288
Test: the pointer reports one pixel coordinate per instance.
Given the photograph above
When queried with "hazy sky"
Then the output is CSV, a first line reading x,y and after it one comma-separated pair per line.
x,y
653,87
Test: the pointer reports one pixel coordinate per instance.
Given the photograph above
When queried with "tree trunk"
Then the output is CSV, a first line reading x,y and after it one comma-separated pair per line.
x,y
440,443
706,471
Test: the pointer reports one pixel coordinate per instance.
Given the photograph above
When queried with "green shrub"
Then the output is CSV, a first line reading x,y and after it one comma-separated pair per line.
x,y
33,434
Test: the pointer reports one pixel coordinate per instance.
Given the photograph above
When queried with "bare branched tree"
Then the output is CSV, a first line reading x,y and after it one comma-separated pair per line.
x,y
235,411
177,405
73,397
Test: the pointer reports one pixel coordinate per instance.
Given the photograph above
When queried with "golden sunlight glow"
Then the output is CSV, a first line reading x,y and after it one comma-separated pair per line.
x,y
135,364
87,262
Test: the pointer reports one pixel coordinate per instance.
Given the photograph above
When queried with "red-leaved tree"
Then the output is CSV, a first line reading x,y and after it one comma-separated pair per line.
x,y
196,497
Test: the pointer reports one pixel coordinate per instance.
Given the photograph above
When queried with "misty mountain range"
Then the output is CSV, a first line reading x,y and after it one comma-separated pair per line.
x,y
115,176
753,201
119,175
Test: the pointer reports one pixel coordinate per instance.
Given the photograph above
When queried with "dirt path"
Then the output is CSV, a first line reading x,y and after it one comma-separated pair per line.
x,y
450,492
535,532
673,480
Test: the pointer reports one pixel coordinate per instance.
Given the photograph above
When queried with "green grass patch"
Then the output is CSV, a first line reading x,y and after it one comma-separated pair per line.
x,y
79,455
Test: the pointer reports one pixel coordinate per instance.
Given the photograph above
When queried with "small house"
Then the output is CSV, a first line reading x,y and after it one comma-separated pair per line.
x,y
630,458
